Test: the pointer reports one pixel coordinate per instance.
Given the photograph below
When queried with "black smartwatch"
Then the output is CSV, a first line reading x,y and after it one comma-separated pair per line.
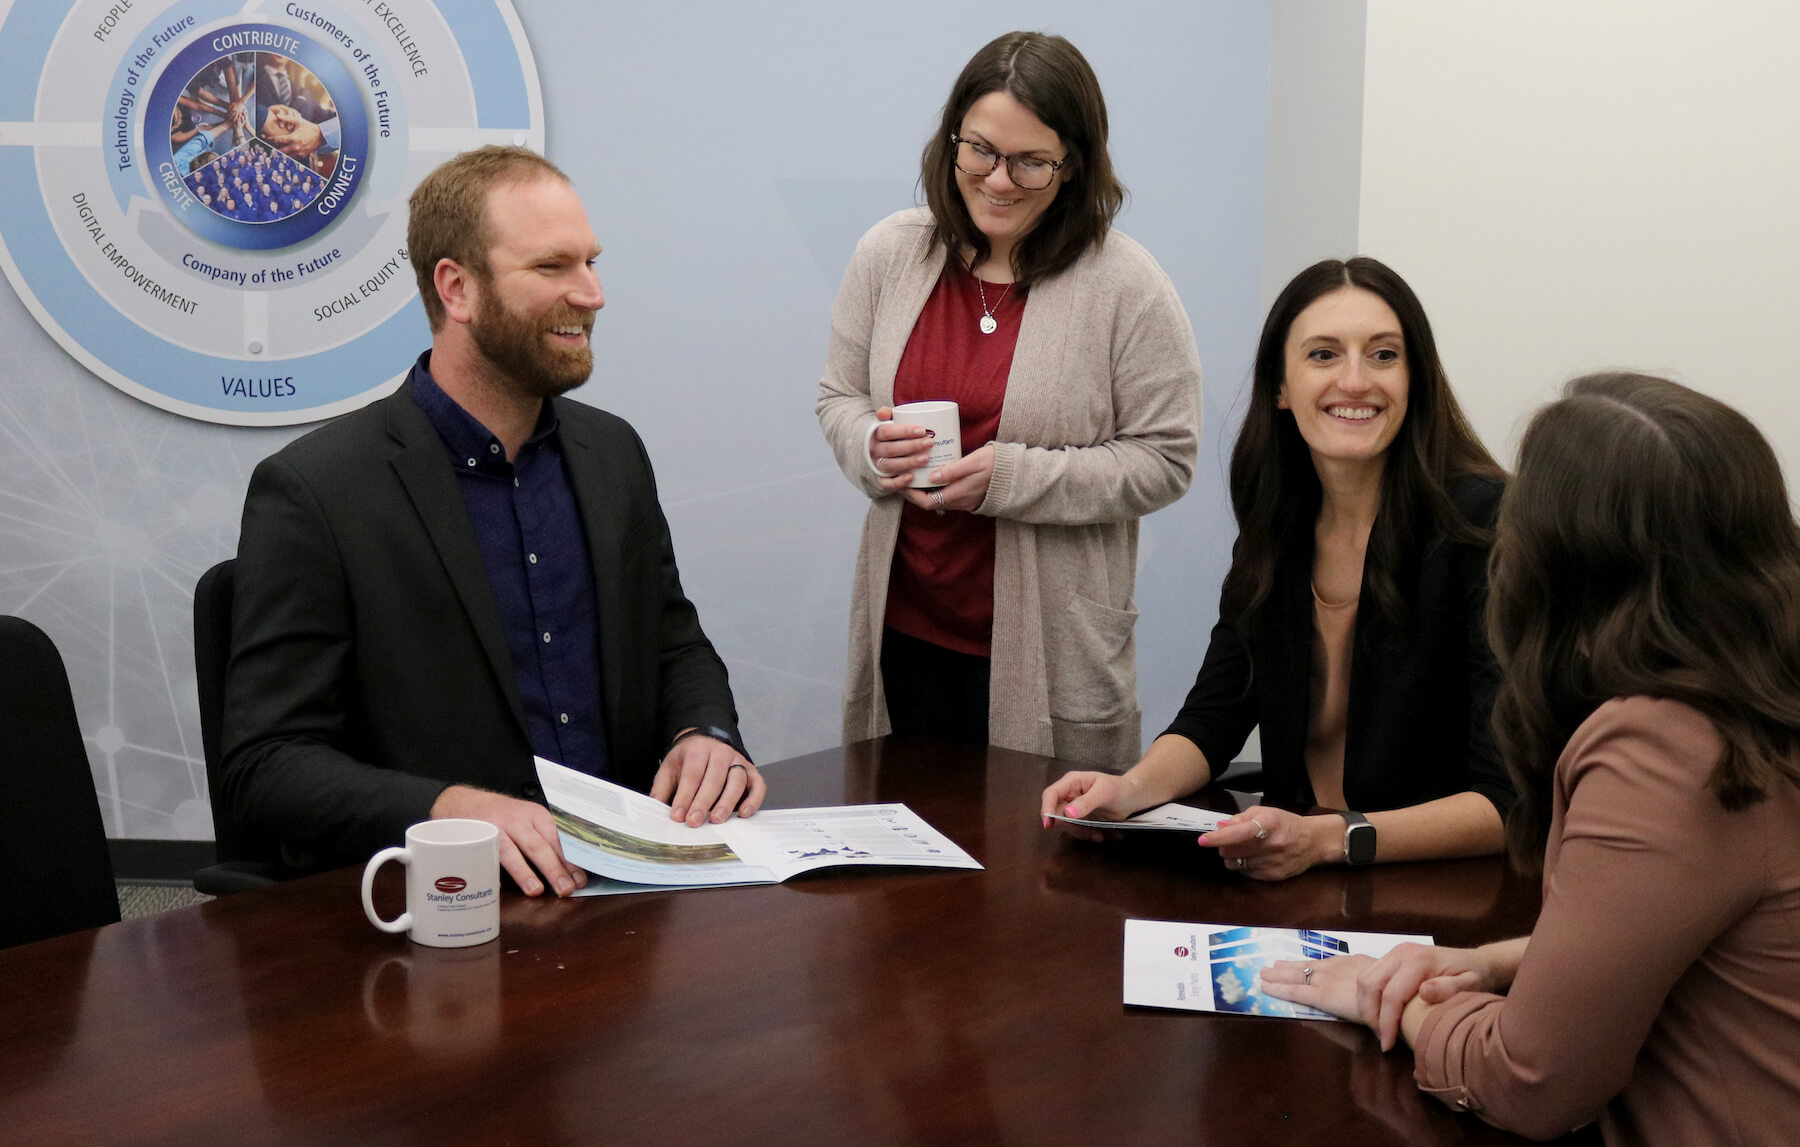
x,y
1359,839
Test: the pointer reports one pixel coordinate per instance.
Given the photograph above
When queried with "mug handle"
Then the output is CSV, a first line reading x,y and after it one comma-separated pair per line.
x,y
869,441
401,922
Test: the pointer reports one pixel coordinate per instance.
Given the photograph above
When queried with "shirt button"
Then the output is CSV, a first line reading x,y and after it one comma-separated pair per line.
x,y
546,639
471,461
565,718
532,558
493,448
515,482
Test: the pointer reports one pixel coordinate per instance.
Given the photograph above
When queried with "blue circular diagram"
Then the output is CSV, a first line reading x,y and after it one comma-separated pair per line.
x,y
229,241
269,143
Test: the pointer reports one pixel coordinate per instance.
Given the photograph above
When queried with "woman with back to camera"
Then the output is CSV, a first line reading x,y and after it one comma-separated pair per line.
x,y
998,607
1646,611
1350,624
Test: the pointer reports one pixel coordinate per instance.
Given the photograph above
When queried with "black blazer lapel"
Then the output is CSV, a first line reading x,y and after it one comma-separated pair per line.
x,y
1290,656
420,462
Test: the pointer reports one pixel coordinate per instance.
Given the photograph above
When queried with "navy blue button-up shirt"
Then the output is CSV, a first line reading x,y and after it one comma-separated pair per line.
x,y
535,550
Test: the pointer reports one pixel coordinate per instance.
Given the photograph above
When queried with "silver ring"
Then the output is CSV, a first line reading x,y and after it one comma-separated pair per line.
x,y
1261,832
1243,863
1306,975
937,499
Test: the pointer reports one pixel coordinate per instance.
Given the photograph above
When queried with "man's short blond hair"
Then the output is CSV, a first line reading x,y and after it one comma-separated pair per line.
x,y
448,213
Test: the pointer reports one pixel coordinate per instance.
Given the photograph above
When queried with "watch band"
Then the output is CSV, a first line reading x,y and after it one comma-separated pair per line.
x,y
713,731
1359,839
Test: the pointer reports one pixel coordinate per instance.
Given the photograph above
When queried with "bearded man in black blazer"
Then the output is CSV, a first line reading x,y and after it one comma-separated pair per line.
x,y
471,571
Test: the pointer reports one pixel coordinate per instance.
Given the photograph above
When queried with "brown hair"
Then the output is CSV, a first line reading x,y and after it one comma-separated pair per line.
x,y
1275,489
448,213
1646,547
1053,80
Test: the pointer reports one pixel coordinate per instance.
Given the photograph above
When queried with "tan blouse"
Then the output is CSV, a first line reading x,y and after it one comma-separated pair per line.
x,y
1334,629
1661,988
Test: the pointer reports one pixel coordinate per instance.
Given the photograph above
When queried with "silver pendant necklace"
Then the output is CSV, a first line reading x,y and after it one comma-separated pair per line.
x,y
988,324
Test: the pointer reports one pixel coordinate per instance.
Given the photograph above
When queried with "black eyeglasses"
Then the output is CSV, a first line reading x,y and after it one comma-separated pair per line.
x,y
1026,171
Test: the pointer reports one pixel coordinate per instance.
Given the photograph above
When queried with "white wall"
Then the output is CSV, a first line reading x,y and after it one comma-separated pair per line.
x,y
1578,185
1315,137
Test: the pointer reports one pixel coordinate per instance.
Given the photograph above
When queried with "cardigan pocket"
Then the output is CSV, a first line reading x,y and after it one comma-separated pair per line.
x,y
1109,743
1090,662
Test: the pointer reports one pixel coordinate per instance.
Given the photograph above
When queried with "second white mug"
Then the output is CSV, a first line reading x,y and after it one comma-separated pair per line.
x,y
942,420
452,883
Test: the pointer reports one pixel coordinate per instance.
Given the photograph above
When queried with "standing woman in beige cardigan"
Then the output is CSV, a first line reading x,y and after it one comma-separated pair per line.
x,y
997,606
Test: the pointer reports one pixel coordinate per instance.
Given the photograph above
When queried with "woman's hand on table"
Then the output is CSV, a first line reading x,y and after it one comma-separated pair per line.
x,y
1425,971
1089,796
1266,843
1376,992
962,484
897,449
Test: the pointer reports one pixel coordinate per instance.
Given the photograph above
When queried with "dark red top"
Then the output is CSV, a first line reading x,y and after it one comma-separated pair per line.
x,y
941,587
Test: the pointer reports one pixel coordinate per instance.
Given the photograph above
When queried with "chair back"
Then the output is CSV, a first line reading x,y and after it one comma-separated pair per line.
x,y
212,653
52,840
241,863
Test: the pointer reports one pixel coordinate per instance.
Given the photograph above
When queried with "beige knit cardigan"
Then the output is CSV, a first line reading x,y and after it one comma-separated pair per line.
x,y
1100,425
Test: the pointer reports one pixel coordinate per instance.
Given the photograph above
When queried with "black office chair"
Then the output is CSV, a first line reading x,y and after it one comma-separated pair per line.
x,y
241,864
52,840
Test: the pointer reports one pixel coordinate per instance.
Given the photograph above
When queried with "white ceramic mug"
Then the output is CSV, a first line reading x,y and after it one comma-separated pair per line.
x,y
452,883
944,423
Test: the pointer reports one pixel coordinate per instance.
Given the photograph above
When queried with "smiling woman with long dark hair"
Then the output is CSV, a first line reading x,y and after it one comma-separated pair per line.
x,y
1645,608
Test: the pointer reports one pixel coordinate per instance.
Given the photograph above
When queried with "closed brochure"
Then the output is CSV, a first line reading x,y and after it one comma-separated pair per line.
x,y
1213,967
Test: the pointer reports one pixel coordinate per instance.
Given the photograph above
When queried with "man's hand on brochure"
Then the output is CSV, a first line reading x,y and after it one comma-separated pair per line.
x,y
528,837
703,779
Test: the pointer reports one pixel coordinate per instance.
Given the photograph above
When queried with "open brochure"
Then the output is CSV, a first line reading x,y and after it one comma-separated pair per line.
x,y
1213,967
628,840
1185,818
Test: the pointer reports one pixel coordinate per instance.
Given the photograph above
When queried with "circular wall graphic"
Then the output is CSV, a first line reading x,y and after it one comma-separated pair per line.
x,y
207,199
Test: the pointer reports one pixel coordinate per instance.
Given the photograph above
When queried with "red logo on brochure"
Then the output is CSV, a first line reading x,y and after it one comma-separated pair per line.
x,y
451,884
1181,950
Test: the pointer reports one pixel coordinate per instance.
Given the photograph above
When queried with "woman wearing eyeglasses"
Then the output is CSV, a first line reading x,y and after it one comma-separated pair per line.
x,y
996,605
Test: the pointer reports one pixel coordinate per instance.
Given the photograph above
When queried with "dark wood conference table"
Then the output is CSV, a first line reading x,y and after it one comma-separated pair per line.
x,y
853,1006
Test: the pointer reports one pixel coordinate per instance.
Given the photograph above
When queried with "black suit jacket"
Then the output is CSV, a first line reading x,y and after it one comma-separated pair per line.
x,y
1420,700
369,670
